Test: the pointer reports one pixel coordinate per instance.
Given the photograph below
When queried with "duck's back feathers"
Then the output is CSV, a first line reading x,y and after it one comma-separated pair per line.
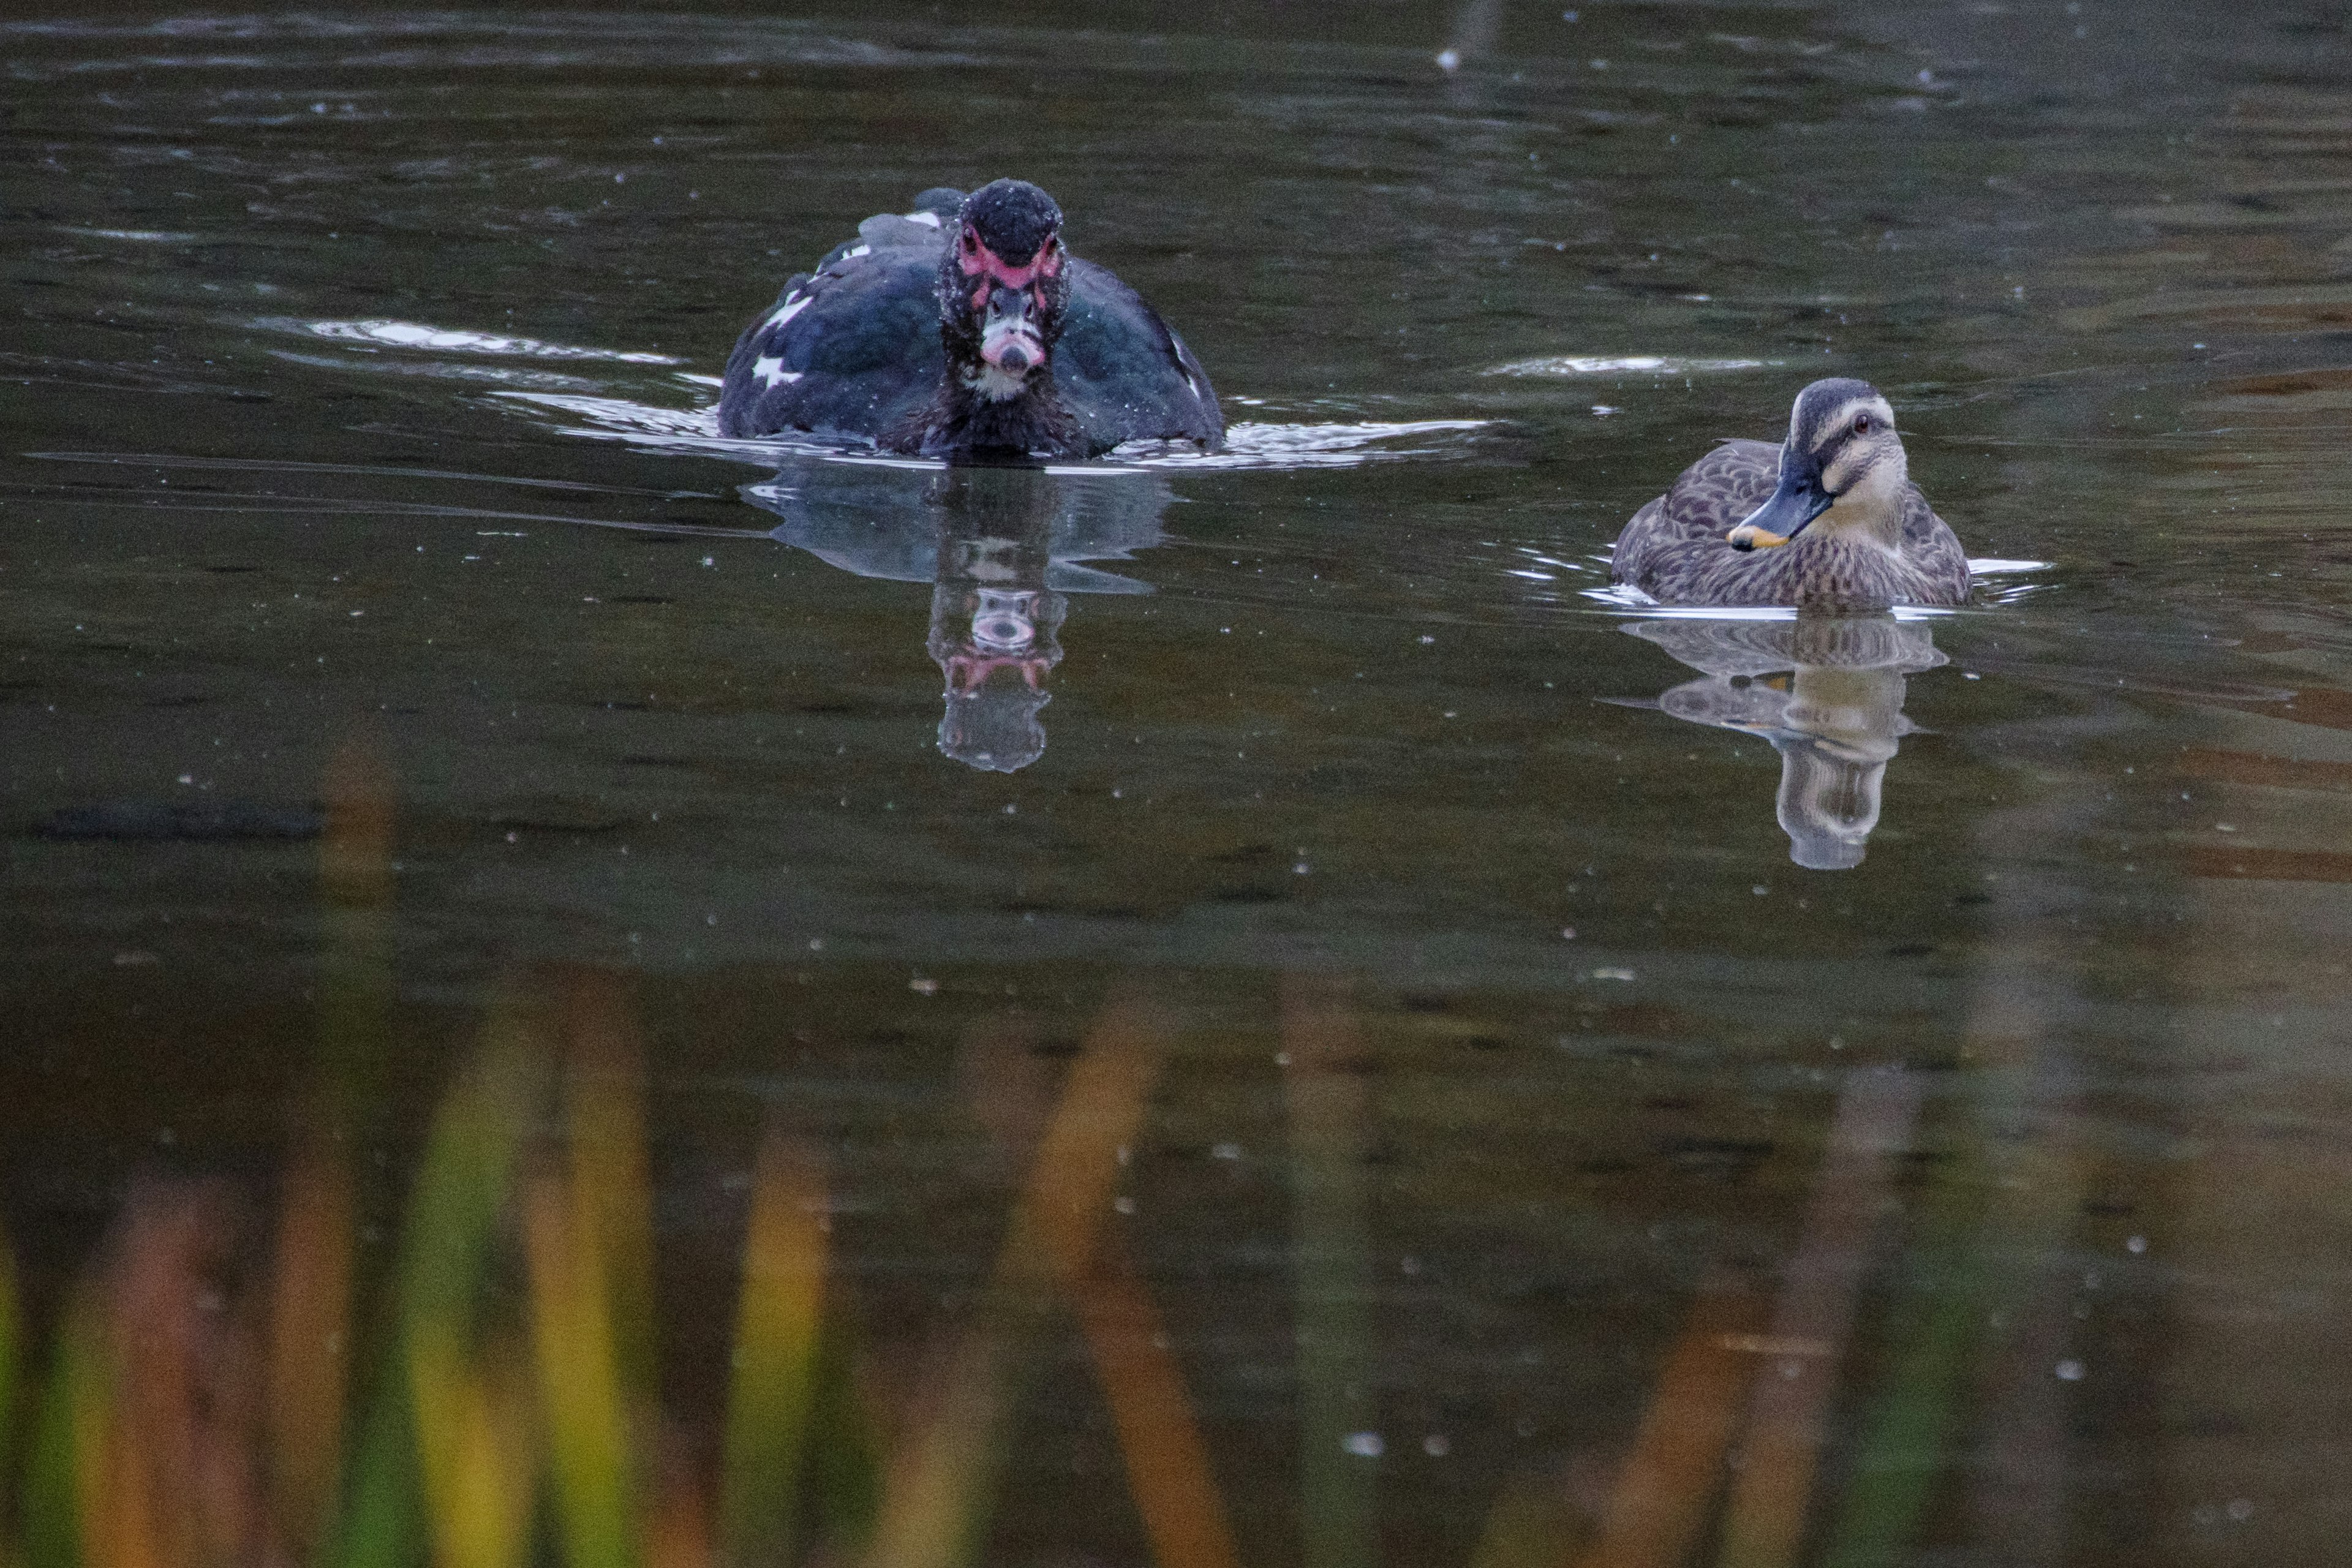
x,y
1674,550
1706,503
1124,374
853,348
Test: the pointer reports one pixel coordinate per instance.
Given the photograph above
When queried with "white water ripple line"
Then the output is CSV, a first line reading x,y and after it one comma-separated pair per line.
x,y
1253,445
1624,599
1248,445
1625,596
143,235
1627,365
385,334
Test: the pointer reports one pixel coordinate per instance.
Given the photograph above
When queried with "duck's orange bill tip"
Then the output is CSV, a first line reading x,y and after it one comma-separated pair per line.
x,y
1748,536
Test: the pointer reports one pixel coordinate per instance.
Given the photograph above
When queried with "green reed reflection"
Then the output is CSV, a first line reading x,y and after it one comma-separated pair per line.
x,y
775,1355
511,1411
495,1400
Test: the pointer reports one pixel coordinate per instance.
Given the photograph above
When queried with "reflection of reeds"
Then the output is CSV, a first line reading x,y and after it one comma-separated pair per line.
x,y
579,1382
514,1416
1167,1466
1773,1391
1765,1522
464,1397
190,1417
936,1500
502,1405
1330,1116
310,1321
775,1355
1903,1448
1661,1500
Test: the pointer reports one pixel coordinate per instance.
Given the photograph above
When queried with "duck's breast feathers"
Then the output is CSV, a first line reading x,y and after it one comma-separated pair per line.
x,y
1124,374
853,349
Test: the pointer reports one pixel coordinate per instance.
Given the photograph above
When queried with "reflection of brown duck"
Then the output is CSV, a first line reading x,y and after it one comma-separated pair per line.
x,y
1826,692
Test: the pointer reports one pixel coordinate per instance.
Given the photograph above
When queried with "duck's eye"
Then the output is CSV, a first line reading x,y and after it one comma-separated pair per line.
x,y
1862,424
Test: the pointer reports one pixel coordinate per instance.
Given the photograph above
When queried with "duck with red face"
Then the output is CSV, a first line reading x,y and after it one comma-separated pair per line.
x,y
966,330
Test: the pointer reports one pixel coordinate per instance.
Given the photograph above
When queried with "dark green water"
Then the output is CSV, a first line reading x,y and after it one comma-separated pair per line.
x,y
349,407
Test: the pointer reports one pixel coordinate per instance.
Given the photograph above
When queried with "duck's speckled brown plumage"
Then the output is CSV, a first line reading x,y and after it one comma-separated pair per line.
x,y
1674,550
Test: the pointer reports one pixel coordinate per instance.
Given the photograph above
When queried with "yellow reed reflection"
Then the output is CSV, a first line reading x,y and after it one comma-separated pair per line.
x,y
226,1383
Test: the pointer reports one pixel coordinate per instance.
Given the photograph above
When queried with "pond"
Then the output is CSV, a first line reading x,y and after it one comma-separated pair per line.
x,y
588,993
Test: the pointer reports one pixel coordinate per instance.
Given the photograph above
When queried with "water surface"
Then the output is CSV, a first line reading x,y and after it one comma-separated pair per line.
x,y
1231,1010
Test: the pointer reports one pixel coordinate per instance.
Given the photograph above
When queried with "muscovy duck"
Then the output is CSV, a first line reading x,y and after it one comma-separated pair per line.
x,y
1828,519
965,330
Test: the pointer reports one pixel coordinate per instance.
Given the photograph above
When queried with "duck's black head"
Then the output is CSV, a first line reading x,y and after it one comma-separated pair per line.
x,y
1004,285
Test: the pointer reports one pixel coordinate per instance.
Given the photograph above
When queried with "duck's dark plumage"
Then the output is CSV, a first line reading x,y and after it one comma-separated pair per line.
x,y
862,347
1676,548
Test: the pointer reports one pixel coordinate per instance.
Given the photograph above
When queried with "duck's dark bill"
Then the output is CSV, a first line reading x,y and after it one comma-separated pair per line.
x,y
1009,337
1796,502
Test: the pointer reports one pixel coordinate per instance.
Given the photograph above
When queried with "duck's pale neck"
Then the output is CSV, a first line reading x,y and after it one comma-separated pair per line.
x,y
1871,508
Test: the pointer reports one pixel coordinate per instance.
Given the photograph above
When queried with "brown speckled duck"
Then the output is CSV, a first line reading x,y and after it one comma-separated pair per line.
x,y
1829,518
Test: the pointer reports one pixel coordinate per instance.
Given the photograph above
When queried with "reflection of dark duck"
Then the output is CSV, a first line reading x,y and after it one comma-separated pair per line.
x,y
1829,518
1826,692
996,627
1004,546
964,328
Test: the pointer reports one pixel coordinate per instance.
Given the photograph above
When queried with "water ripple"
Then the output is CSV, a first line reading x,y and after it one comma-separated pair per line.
x,y
456,340
1248,445
1627,365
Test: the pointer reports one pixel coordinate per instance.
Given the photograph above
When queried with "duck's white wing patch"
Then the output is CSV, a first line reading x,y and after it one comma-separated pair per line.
x,y
928,220
787,311
858,250
773,372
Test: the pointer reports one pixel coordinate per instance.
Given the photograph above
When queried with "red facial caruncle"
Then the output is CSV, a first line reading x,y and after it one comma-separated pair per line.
x,y
984,267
